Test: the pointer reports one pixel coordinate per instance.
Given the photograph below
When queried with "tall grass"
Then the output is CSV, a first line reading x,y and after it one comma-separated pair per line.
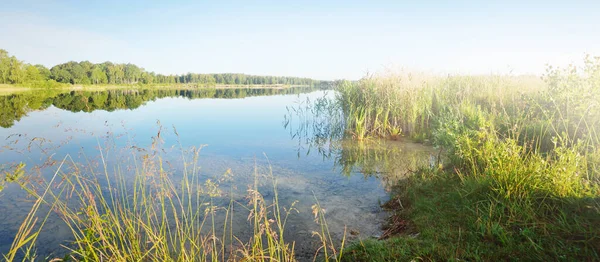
x,y
522,176
154,214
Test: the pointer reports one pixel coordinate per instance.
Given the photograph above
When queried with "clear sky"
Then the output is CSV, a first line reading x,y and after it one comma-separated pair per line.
x,y
318,39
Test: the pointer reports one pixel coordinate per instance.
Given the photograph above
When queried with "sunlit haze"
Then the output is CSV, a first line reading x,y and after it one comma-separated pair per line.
x,y
318,39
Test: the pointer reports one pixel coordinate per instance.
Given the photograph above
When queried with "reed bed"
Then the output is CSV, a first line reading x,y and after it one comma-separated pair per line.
x,y
521,179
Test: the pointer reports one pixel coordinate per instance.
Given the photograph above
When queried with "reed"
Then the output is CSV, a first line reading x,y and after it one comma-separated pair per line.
x,y
521,178
150,214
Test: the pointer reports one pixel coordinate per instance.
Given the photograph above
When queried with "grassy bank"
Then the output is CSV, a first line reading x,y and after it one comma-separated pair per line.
x,y
521,176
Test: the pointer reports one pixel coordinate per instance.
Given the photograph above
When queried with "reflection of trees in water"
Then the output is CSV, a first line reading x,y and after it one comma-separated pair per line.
x,y
319,126
14,107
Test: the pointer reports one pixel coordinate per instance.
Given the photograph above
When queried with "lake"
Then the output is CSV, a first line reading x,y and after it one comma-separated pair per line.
x,y
244,134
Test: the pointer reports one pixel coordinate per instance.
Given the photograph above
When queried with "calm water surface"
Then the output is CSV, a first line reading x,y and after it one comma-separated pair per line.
x,y
240,131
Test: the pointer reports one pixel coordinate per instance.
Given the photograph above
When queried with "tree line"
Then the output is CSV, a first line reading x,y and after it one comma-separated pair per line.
x,y
14,71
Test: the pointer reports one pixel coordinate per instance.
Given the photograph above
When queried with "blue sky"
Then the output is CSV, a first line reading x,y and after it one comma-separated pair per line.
x,y
318,39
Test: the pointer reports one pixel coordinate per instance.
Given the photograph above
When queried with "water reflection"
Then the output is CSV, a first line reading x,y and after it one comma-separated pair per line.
x,y
240,133
15,106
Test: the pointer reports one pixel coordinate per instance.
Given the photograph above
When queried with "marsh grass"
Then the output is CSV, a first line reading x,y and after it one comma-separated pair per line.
x,y
144,211
319,126
521,180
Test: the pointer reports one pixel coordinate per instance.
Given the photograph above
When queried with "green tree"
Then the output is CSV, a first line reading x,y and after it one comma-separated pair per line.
x,y
147,78
77,72
61,75
131,73
16,73
4,66
32,74
98,76
44,72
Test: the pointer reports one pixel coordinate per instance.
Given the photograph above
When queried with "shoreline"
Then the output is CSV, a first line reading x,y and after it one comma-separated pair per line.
x,y
6,89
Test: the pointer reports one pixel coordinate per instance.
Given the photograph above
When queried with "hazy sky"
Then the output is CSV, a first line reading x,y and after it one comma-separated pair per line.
x,y
318,39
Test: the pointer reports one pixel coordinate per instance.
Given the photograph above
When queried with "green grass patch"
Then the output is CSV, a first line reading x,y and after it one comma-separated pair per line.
x,y
450,218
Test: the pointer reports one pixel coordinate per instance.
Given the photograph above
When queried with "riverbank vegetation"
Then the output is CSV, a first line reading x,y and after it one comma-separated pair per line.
x,y
16,72
521,172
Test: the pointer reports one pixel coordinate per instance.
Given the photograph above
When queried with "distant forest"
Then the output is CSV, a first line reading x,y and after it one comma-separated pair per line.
x,y
14,71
